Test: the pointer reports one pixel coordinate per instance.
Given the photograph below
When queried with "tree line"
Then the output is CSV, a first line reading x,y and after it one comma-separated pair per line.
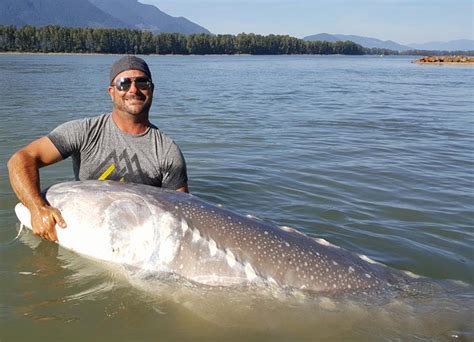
x,y
54,38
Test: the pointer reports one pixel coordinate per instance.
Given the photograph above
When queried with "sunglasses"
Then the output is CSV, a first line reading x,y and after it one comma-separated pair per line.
x,y
142,83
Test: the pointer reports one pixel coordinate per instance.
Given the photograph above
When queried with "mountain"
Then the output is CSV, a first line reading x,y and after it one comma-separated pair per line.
x,y
453,45
71,13
324,37
94,13
364,41
147,17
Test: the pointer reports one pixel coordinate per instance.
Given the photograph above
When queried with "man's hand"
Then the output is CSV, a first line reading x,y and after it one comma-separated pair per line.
x,y
44,220
23,169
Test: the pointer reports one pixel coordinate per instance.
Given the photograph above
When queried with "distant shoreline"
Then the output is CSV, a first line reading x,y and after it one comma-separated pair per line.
x,y
172,54
182,55
445,60
456,60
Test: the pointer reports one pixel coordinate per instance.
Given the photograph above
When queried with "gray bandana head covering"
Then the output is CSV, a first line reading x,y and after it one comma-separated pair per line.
x,y
128,63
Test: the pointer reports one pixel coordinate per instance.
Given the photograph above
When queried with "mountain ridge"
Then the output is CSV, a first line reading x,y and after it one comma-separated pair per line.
x,y
370,42
130,14
147,17
452,45
69,13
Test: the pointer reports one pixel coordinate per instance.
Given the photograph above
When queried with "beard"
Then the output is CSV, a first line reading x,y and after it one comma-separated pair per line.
x,y
133,104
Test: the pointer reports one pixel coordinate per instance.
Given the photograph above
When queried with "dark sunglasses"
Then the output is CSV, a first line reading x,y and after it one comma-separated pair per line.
x,y
142,83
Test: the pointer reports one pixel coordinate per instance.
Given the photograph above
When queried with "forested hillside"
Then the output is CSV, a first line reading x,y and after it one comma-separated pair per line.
x,y
95,40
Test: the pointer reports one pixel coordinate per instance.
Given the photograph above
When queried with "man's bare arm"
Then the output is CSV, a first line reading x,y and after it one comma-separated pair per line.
x,y
23,169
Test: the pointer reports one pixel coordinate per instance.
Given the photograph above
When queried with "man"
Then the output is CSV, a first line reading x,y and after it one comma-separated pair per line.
x,y
122,146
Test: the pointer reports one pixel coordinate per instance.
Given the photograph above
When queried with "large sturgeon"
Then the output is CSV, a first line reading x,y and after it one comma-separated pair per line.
x,y
156,230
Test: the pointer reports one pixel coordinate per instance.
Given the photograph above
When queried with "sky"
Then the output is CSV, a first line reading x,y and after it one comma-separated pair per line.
x,y
403,21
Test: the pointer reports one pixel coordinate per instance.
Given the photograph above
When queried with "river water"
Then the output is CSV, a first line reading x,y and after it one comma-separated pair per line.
x,y
372,154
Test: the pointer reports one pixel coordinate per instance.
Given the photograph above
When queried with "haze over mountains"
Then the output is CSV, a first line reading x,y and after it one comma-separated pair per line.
x,y
129,14
454,45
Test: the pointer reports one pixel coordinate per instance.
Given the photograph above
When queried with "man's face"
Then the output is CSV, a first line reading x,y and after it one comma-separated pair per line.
x,y
137,98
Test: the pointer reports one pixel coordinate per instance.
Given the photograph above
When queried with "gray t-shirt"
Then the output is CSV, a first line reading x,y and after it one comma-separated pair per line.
x,y
100,150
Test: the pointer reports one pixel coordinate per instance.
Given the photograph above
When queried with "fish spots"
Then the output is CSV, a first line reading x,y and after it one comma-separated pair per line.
x,y
255,250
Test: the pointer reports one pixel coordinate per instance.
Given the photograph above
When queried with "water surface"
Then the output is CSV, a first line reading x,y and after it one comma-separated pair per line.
x,y
373,154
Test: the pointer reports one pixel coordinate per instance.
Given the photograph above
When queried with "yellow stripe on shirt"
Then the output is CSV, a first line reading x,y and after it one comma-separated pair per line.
x,y
107,172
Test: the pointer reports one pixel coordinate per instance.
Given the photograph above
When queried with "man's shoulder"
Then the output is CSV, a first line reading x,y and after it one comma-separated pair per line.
x,y
98,123
98,119
88,121
81,127
158,133
166,142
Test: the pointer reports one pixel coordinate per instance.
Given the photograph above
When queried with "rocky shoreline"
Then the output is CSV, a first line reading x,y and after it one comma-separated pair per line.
x,y
445,60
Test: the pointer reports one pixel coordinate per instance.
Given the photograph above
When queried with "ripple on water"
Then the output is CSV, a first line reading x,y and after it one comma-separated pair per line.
x,y
371,154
